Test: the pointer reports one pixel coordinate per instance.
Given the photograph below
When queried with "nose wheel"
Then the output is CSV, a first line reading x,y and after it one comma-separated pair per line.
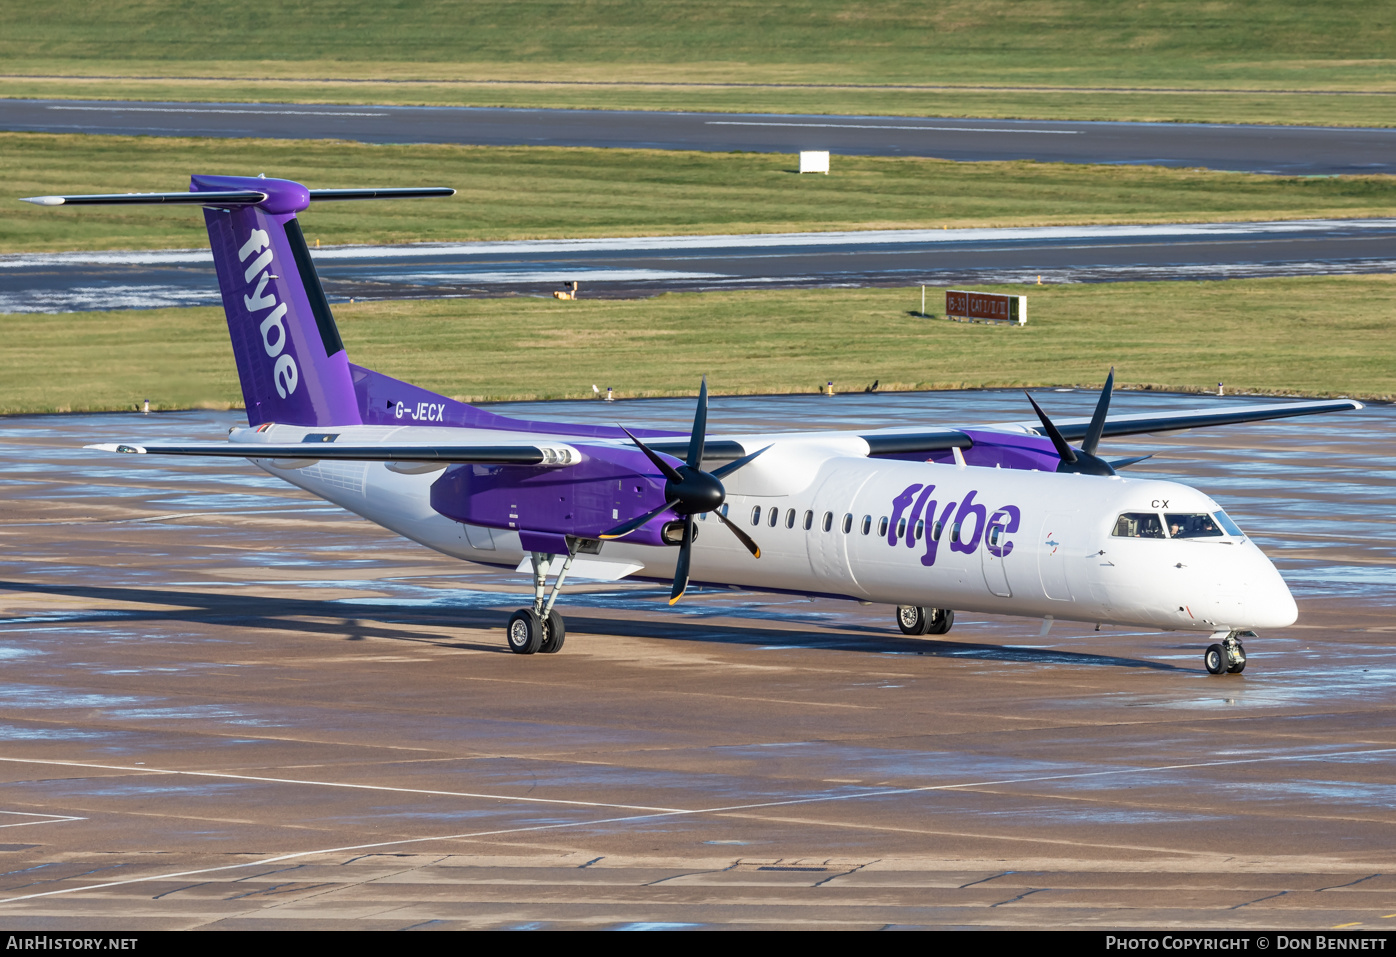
x,y
916,620
1228,656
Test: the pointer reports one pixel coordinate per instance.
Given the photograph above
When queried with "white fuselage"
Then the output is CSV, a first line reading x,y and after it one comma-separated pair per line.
x,y
1060,561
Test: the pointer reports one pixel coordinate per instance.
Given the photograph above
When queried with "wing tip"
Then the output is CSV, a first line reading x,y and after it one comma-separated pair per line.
x,y
43,200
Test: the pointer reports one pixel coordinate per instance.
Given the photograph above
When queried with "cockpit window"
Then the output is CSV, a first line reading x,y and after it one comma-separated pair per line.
x,y
1138,525
1225,522
1192,526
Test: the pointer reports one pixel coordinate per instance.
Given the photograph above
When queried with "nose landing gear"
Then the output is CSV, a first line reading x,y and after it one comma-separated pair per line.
x,y
1227,656
915,620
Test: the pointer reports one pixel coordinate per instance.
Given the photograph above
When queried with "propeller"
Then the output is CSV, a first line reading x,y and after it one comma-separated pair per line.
x,y
688,490
1084,460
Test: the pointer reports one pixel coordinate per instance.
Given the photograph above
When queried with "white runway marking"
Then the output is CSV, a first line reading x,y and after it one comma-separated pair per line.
x,y
47,818
871,126
882,792
190,109
558,274
141,769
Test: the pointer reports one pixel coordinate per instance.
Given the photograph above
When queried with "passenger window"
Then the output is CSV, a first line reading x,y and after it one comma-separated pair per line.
x,y
1138,525
882,527
756,515
828,521
848,523
1192,526
901,529
920,529
867,524
790,518
775,517
809,520
936,529
955,532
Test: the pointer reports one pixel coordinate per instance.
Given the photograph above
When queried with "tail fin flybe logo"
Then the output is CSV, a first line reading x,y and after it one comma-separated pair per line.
x,y
284,373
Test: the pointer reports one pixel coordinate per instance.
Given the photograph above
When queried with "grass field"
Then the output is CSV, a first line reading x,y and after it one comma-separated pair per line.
x,y
1263,61
527,192
1320,336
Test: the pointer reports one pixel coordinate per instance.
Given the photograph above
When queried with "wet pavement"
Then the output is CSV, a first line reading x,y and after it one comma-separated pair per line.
x,y
226,704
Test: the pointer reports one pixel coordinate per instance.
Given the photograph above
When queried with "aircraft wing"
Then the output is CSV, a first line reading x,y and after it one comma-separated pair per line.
x,y
1199,418
451,454
888,441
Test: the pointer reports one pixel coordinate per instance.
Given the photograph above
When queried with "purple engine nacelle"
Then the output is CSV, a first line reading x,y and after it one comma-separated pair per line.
x,y
609,486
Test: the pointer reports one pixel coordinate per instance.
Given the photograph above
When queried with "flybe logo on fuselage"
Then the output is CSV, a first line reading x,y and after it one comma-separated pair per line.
x,y
284,374
968,522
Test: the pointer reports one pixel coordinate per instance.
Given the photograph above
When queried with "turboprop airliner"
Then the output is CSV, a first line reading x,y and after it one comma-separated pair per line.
x,y
1007,519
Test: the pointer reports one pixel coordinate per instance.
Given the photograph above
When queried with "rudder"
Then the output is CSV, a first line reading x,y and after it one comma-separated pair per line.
x,y
291,361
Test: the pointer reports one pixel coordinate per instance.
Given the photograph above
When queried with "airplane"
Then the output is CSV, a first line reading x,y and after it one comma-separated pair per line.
x,y
1006,519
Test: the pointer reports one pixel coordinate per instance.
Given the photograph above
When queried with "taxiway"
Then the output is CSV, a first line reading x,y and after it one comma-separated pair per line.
x,y
645,266
225,704
1290,150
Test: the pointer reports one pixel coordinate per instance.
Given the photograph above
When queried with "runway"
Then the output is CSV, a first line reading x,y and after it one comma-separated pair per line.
x,y
226,705
645,266
1290,150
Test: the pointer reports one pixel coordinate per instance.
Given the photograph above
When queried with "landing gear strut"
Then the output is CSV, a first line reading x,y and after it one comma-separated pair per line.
x,y
1227,656
915,620
540,628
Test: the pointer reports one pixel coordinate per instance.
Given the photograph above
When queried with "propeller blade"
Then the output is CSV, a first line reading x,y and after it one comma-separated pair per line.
x,y
681,570
731,467
1097,426
742,536
664,467
700,427
1126,463
1066,452
620,531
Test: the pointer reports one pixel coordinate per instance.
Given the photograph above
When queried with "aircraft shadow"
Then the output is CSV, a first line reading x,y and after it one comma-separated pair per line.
x,y
366,619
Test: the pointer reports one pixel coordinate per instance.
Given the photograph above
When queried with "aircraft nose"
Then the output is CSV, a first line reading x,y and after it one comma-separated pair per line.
x,y
1268,600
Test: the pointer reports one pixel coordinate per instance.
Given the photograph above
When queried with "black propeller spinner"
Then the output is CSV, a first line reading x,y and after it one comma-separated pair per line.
x,y
688,490
1084,459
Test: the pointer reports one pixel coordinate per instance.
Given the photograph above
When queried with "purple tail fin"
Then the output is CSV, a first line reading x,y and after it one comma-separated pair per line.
x,y
289,355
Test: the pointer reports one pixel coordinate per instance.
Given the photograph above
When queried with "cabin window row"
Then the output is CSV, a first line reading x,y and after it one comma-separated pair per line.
x,y
772,517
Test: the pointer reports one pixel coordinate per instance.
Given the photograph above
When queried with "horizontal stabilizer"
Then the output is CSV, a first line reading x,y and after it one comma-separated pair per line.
x,y
395,192
235,197
552,455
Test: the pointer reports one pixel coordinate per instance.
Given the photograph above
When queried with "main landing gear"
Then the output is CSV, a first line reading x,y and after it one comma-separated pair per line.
x,y
1228,656
540,628
915,620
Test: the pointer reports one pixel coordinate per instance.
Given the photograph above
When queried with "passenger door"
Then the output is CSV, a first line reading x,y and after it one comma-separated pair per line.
x,y
1055,550
995,571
